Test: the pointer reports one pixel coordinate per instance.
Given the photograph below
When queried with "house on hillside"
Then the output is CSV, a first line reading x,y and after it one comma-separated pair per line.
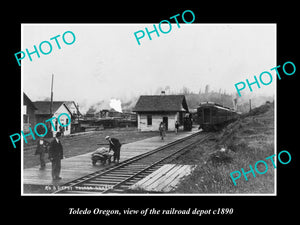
x,y
153,109
43,113
29,109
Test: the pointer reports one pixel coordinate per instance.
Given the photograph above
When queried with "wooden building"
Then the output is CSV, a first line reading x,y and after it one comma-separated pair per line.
x,y
128,115
75,115
43,113
29,109
92,113
153,109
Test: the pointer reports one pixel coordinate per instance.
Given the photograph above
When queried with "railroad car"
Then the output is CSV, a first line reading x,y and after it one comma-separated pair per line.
x,y
212,116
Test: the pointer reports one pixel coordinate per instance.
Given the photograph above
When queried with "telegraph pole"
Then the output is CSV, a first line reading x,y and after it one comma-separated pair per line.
x,y
78,113
51,103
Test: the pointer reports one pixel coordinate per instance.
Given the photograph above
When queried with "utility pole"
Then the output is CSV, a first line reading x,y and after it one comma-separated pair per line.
x,y
78,113
51,103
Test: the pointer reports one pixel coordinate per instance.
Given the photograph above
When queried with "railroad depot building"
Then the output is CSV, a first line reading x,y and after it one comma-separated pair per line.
x,y
153,109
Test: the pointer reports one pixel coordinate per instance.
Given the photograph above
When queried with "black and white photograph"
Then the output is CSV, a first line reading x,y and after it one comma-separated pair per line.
x,y
149,113
142,109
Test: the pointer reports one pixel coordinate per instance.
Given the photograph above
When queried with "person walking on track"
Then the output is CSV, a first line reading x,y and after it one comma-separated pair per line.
x,y
56,155
115,145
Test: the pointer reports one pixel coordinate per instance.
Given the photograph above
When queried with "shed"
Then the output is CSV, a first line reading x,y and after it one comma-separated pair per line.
x,y
153,109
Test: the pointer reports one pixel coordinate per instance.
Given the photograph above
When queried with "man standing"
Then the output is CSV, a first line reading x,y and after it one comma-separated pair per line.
x,y
56,155
176,126
115,145
61,130
41,149
162,130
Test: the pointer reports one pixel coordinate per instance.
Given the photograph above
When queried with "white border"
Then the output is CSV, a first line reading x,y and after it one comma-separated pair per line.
x,y
22,144
219,194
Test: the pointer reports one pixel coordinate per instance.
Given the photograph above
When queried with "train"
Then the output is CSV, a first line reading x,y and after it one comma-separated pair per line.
x,y
212,116
187,122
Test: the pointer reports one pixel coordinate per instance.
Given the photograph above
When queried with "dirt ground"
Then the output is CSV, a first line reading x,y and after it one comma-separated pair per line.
x,y
237,146
89,142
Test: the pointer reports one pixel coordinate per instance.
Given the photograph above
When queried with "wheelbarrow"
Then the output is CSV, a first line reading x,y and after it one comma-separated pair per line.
x,y
102,155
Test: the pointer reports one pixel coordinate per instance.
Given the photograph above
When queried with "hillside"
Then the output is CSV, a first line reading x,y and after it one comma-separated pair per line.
x,y
193,100
240,144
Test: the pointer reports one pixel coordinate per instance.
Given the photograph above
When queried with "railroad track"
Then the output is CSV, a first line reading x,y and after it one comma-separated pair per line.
x,y
119,178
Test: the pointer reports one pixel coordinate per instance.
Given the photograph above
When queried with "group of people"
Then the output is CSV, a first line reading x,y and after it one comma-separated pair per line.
x,y
55,150
55,153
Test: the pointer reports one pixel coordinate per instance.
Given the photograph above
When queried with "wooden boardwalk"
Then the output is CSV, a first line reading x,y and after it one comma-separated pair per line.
x,y
165,179
81,165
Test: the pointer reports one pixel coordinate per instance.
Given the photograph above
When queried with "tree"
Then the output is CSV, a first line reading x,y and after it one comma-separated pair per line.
x,y
185,90
206,89
167,89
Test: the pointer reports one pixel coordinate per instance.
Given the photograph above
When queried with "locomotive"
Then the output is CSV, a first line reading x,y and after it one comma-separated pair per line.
x,y
187,122
212,116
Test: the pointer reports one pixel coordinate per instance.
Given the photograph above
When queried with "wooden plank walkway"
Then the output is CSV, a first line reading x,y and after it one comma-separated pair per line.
x,y
81,165
165,179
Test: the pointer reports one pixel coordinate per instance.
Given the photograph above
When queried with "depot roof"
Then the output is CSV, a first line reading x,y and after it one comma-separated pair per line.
x,y
161,103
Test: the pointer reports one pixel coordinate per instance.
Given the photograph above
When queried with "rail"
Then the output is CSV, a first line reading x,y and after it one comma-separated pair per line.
x,y
122,175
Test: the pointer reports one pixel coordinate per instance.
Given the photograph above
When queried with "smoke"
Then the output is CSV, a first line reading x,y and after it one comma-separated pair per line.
x,y
115,104
93,107
128,105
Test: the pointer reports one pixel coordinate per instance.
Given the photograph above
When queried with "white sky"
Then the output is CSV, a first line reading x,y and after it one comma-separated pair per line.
x,y
106,62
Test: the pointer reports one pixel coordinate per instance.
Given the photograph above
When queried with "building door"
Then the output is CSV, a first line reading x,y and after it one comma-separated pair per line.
x,y
165,121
